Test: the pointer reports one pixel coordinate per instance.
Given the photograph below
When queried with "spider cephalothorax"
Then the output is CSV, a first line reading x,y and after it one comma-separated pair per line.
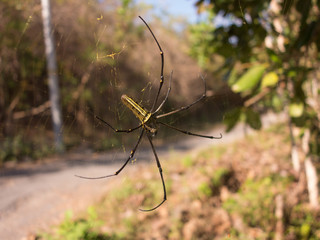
x,y
149,121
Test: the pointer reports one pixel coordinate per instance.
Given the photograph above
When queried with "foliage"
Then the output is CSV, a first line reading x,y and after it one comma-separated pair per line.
x,y
305,224
219,176
255,202
24,94
214,183
187,161
205,189
86,229
249,79
200,35
271,53
17,148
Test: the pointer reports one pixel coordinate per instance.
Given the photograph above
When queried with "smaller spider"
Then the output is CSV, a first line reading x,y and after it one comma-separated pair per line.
x,y
149,122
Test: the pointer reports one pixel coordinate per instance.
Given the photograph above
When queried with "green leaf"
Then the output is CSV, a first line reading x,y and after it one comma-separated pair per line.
x,y
305,230
231,118
269,80
296,109
232,76
276,102
253,119
250,79
273,56
292,73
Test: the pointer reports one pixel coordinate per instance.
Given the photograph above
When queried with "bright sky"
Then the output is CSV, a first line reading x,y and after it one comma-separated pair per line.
x,y
176,8
184,8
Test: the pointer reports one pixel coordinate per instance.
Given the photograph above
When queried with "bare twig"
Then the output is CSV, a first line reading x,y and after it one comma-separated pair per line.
x,y
33,111
257,97
84,80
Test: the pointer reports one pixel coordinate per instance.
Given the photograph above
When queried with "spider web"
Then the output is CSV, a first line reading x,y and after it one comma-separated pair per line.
x,y
97,63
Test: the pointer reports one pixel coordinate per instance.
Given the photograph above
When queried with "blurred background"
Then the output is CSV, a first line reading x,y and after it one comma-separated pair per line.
x,y
63,64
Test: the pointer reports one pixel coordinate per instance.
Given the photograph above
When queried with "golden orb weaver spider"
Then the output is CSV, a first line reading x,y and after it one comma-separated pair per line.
x,y
149,121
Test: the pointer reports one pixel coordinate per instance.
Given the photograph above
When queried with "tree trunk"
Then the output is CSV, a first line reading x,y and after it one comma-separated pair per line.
x,y
311,173
279,216
294,150
312,180
52,76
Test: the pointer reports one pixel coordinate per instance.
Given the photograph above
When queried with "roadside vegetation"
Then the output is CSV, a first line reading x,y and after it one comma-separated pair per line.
x,y
243,190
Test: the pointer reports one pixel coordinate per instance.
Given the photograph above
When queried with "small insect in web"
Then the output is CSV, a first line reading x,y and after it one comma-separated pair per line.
x,y
149,120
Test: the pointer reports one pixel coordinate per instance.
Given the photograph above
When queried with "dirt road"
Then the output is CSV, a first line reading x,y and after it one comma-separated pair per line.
x,y
35,197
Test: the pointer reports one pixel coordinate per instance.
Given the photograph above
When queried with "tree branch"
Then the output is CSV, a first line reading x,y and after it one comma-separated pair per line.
x,y
33,111
257,97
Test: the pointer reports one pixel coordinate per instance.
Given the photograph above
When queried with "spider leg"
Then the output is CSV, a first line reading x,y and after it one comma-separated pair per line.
x,y
161,175
119,130
188,106
166,98
123,166
162,64
189,133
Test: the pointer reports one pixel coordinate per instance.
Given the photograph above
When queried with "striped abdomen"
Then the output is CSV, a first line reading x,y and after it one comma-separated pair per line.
x,y
139,111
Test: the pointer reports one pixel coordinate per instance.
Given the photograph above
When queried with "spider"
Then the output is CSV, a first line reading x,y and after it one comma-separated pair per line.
x,y
149,120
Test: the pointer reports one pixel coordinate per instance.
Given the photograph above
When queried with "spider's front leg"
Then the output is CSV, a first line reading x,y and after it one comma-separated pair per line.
x,y
166,97
203,96
189,133
162,65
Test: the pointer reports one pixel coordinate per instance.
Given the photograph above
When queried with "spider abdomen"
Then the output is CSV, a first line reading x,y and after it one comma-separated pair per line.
x,y
138,110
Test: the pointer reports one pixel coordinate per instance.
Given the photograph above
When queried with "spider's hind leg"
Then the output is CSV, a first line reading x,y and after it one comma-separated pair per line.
x,y
162,180
119,130
123,166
